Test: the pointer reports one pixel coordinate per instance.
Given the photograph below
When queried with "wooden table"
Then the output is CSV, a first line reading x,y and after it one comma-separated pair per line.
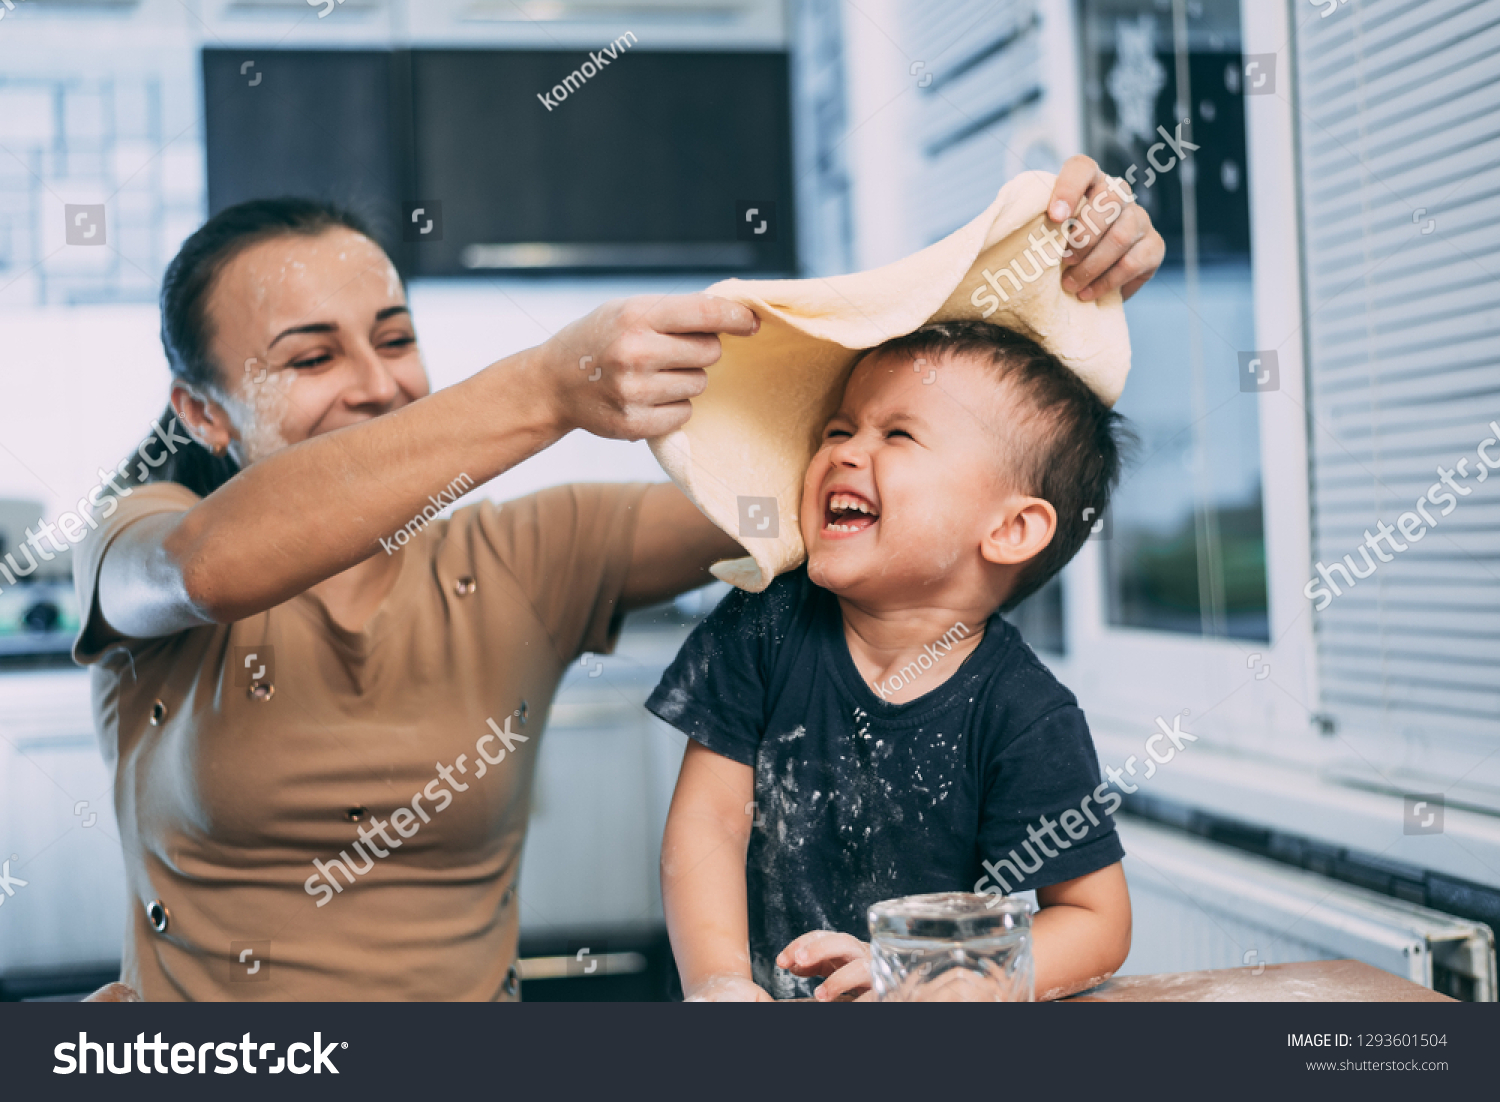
x,y
1332,981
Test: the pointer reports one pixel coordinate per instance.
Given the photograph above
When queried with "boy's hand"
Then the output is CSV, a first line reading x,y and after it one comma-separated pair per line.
x,y
728,989
1124,256
843,959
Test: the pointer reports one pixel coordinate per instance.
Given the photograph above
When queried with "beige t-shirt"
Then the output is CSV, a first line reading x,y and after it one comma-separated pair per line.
x,y
231,779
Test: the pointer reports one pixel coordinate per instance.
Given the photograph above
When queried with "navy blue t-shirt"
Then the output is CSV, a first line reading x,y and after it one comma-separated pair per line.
x,y
858,799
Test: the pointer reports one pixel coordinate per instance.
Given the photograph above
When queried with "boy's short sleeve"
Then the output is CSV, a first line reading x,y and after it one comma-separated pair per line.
x,y
715,689
1039,805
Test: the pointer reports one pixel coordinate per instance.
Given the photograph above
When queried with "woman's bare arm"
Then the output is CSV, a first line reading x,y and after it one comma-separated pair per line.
x,y
314,509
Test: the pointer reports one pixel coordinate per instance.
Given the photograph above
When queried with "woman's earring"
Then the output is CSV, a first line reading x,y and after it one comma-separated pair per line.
x,y
219,450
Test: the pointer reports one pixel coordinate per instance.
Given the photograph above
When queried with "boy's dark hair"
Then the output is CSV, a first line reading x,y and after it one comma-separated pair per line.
x,y
186,329
1073,455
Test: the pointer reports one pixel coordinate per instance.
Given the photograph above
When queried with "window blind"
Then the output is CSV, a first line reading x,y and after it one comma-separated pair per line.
x,y
1398,114
977,72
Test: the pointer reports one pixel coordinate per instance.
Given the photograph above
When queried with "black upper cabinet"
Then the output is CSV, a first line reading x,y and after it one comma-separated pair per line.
x,y
314,123
661,161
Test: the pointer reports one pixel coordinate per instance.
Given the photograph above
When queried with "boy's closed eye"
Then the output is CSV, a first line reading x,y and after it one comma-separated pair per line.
x,y
844,434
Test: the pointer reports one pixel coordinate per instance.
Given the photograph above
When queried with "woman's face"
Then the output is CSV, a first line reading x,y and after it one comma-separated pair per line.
x,y
310,334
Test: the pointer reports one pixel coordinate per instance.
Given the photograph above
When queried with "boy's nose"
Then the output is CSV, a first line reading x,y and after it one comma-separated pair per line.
x,y
848,452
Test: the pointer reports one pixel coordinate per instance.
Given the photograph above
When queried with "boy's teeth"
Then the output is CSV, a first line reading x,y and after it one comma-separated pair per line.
x,y
844,503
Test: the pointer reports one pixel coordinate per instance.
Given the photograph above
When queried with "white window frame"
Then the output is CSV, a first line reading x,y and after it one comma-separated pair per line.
x,y
1126,677
1262,756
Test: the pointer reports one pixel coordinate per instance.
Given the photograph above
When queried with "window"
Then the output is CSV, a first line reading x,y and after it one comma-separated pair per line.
x,y
1184,550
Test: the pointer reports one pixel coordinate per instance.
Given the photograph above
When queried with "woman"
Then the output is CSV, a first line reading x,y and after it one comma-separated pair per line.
x,y
321,704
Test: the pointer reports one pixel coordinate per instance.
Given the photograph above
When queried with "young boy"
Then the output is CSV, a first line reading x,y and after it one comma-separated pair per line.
x,y
868,727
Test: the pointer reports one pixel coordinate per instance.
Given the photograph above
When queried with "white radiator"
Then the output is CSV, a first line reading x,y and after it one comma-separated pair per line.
x,y
1199,905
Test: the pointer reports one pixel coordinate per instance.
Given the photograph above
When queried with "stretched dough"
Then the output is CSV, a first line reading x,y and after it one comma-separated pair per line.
x,y
757,425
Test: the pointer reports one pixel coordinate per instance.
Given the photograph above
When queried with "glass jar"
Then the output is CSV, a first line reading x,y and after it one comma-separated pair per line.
x,y
952,947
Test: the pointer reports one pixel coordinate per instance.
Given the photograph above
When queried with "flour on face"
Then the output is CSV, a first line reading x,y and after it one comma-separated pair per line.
x,y
258,407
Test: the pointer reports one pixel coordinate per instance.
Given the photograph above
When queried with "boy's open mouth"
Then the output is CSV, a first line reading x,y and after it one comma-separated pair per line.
x,y
845,513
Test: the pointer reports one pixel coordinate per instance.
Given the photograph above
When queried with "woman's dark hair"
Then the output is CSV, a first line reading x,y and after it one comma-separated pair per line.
x,y
1073,454
186,331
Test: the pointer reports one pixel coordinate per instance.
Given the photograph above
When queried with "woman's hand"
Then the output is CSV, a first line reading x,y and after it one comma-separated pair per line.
x,y
114,993
731,988
629,369
1124,255
843,959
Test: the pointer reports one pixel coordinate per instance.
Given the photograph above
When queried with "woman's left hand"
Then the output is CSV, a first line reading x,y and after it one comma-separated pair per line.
x,y
843,959
1124,255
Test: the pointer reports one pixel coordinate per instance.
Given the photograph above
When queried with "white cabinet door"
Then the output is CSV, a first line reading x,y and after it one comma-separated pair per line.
x,y
62,881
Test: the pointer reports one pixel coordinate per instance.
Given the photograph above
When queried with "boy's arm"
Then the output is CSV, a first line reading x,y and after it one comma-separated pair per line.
x,y
703,876
1082,933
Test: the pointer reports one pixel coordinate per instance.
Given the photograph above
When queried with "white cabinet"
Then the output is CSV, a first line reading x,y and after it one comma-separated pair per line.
x,y
57,829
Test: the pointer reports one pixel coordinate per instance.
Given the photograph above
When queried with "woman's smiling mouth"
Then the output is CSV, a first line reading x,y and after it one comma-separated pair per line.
x,y
846,514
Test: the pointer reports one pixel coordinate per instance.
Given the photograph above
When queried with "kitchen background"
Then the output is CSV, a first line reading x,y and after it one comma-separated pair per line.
x,y
1318,341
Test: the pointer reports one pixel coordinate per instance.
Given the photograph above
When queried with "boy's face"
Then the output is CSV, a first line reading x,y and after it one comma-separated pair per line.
x,y
903,491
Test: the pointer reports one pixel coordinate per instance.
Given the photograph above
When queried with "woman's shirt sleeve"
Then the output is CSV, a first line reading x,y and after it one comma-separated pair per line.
x,y
569,549
115,514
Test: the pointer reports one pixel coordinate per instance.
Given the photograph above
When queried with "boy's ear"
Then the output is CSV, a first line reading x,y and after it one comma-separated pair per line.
x,y
1024,527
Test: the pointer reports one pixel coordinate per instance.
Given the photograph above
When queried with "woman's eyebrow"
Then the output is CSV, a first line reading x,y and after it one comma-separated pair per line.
x,y
332,327
316,327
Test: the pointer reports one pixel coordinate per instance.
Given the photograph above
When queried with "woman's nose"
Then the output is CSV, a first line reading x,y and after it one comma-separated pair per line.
x,y
374,383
